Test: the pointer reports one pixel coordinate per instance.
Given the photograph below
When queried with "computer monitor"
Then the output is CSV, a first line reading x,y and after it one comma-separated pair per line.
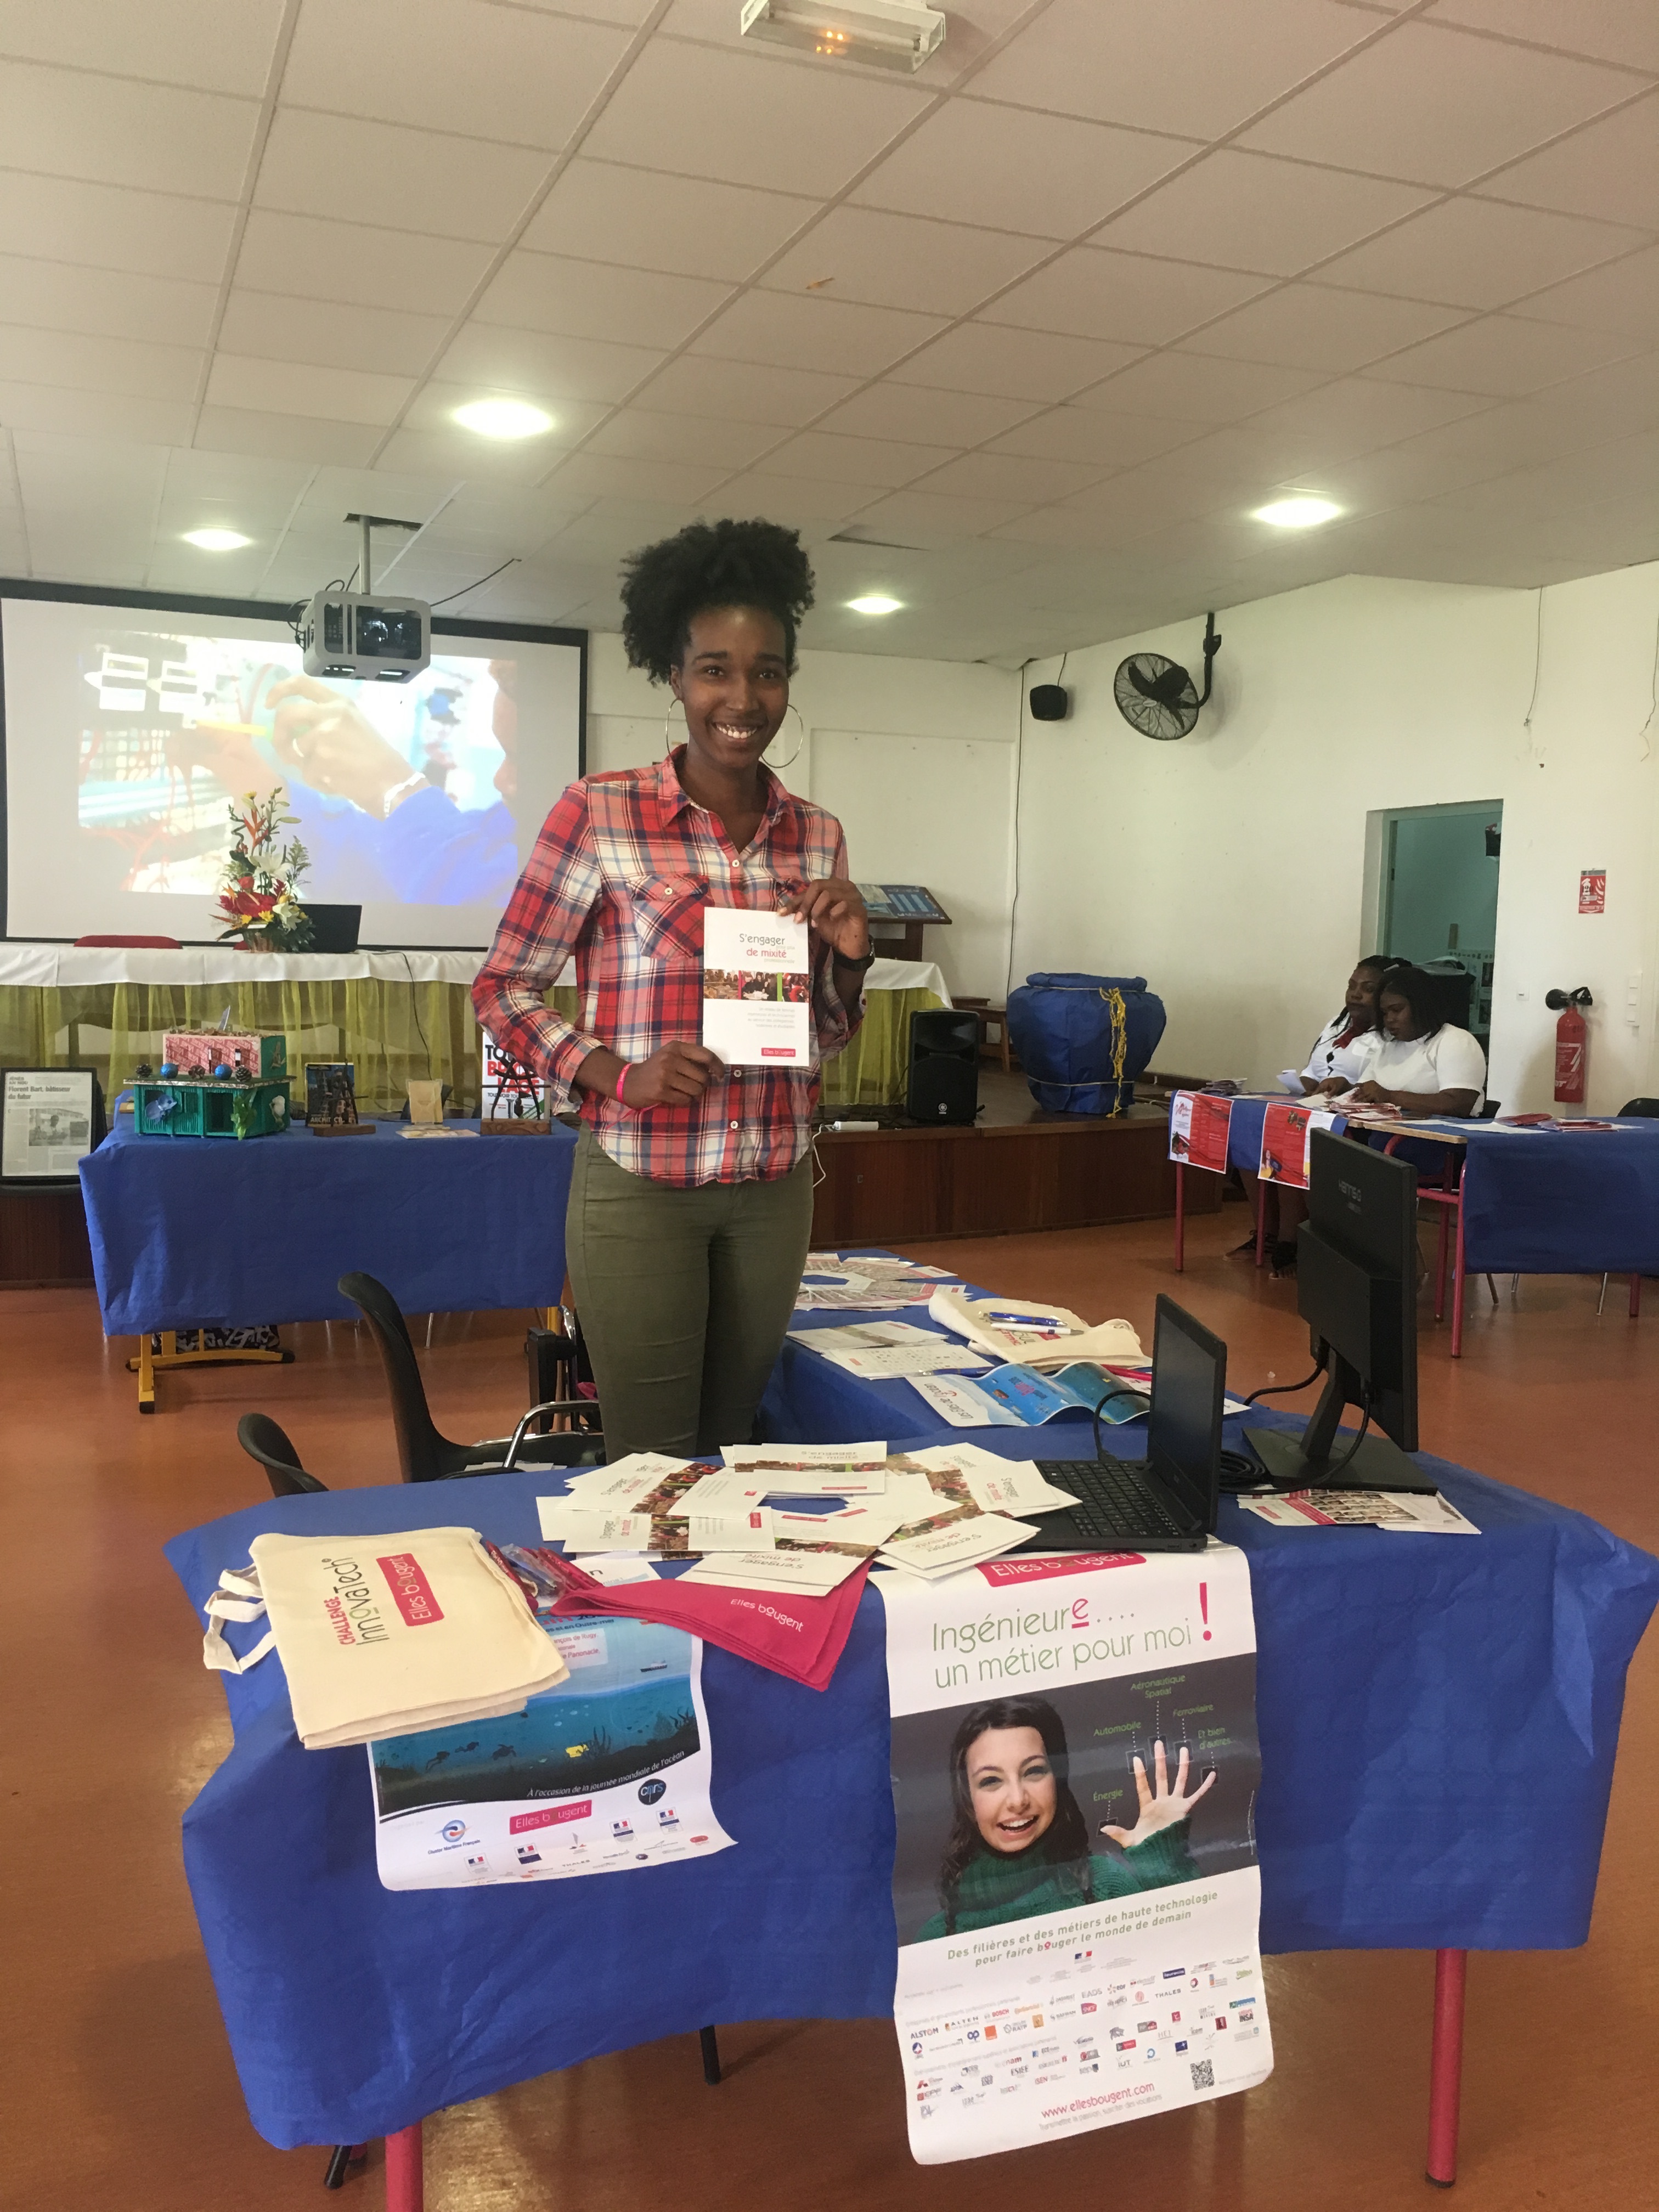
x,y
1356,1287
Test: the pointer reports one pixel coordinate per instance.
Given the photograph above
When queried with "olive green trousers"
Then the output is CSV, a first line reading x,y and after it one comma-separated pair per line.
x,y
683,1297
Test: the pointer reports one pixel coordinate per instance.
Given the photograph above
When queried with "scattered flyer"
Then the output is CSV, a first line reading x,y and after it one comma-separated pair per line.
x,y
757,987
1199,1125
1075,1768
1398,1509
608,1771
801,1574
1286,1136
961,1543
999,1486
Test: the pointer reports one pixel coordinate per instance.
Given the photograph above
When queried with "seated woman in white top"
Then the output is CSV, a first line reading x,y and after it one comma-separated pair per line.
x,y
1422,1064
1341,1057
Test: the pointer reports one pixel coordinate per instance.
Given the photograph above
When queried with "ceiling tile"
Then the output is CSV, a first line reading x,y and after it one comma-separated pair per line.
x,y
311,258
1014,476
1184,65
1610,170
412,180
115,302
745,119
792,331
53,408
452,452
1479,253
699,441
112,131
1354,416
187,42
1008,169
1622,297
298,437
1306,326
1503,355
286,387
587,299
920,518
1625,30
1059,526
630,218
807,503
904,261
1012,364
740,392
923,417
499,74
836,459
543,367
1239,211
602,475
1188,387
1437,106
433,408
98,364
1094,294
1081,433
265,326
112,227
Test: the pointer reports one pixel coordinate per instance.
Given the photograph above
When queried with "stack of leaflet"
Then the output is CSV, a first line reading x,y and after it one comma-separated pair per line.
x,y
877,1350
865,1282
1407,1513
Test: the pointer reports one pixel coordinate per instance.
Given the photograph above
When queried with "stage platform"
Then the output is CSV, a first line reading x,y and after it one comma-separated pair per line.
x,y
1018,1168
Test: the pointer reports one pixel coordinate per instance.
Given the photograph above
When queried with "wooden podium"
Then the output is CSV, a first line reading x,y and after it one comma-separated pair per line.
x,y
907,907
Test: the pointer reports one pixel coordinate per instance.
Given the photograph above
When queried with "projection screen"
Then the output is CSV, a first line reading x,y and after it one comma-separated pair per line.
x,y
131,728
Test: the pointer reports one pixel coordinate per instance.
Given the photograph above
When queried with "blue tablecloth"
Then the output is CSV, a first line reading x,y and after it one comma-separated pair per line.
x,y
198,1231
1437,1715
1536,1202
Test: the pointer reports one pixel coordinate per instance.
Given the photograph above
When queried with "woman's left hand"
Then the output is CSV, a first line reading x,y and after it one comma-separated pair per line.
x,y
1162,1805
1370,1094
834,911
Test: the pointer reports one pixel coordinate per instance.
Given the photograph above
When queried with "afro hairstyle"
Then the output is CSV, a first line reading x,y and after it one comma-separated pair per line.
x,y
710,564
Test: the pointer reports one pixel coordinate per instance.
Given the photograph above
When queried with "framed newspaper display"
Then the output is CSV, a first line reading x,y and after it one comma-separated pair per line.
x,y
50,1119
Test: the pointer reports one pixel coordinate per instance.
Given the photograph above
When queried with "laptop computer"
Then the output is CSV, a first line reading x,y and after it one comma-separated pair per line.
x,y
1169,1501
333,928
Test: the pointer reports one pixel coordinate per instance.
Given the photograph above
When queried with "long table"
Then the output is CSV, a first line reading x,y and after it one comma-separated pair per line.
x,y
1438,1719
189,1233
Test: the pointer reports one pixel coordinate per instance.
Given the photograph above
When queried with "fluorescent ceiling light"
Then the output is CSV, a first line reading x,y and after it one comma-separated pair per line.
x,y
891,34
1302,512
875,603
503,418
216,541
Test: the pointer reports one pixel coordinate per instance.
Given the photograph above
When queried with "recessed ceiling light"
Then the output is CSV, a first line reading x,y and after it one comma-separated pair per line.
x,y
875,603
1300,513
503,418
892,34
216,541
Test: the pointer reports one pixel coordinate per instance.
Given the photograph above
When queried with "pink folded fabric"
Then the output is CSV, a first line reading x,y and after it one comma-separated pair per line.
x,y
801,1638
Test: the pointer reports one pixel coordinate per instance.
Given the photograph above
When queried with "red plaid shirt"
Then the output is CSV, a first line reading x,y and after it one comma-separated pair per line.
x,y
620,875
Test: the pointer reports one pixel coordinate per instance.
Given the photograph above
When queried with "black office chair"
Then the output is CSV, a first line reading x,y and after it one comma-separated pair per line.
x,y
424,1453
1637,1110
262,1440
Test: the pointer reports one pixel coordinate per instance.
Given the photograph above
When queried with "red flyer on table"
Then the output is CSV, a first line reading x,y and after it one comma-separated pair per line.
x,y
1285,1130
1198,1122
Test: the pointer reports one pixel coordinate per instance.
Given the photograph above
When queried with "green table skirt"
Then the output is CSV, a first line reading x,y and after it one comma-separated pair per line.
x,y
390,1031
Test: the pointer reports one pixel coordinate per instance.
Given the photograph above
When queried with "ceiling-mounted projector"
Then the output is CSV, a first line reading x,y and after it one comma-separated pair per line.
x,y
363,635
891,34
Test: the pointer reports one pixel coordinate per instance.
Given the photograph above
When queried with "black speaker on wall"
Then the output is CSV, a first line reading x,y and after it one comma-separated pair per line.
x,y
944,1085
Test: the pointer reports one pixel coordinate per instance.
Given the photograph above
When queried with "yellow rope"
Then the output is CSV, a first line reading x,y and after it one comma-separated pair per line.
x,y
1120,1020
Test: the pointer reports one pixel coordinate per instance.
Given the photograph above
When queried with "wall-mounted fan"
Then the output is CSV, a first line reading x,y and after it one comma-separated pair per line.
x,y
1158,696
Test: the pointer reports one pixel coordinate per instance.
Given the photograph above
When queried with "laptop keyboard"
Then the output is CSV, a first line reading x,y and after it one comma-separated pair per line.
x,y
1113,1500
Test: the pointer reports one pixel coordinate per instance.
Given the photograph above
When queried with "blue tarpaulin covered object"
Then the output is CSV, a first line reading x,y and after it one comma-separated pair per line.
x,y
1082,1040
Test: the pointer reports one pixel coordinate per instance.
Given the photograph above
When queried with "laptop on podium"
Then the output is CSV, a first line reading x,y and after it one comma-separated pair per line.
x,y
1169,1501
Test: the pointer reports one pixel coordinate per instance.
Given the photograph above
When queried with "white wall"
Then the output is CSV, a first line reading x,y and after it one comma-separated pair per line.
x,y
915,757
1230,868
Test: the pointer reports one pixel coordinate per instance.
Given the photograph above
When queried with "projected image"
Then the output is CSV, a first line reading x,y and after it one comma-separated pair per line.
x,y
402,792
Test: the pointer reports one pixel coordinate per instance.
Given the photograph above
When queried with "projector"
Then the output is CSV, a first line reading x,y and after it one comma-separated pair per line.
x,y
365,636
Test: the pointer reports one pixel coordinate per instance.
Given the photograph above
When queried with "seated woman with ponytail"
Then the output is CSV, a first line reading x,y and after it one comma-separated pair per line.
x,y
1019,1845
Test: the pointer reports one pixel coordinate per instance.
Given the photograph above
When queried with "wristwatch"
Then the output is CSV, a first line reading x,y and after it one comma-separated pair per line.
x,y
841,960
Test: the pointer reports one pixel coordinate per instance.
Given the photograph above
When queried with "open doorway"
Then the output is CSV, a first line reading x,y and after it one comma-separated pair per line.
x,y
1438,907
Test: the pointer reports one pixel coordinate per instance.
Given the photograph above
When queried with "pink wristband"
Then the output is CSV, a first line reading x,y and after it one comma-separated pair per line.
x,y
618,1093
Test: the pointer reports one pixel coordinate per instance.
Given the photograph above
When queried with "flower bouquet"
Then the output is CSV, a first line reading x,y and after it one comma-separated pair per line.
x,y
256,889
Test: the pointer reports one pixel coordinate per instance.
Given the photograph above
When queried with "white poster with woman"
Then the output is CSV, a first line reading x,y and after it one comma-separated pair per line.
x,y
1075,1768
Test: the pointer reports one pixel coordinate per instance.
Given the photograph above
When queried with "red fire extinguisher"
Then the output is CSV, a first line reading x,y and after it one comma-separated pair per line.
x,y
1572,1044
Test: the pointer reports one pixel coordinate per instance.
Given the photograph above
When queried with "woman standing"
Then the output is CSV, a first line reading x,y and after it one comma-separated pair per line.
x,y
691,1198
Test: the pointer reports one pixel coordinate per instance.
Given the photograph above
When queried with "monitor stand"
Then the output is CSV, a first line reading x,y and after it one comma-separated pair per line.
x,y
1304,1461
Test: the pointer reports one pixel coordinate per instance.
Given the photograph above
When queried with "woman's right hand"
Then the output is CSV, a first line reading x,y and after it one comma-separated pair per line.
x,y
676,1074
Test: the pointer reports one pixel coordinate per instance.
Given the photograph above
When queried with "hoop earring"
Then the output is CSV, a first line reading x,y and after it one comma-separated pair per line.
x,y
799,742
667,748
